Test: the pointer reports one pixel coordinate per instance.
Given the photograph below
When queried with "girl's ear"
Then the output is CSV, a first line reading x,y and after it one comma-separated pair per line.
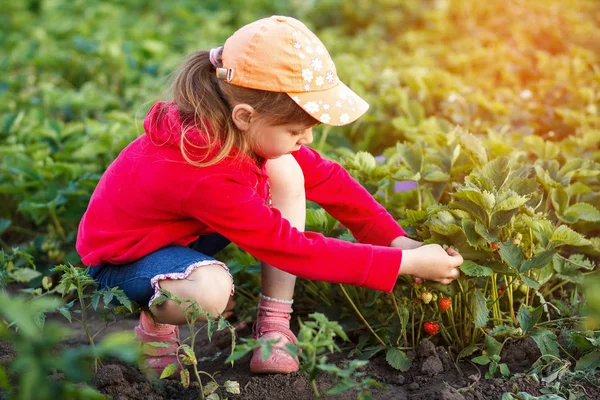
x,y
242,116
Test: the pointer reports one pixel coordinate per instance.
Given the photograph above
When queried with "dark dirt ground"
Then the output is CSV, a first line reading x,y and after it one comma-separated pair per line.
x,y
432,376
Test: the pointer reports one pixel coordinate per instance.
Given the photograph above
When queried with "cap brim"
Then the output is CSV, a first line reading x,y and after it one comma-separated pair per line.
x,y
335,106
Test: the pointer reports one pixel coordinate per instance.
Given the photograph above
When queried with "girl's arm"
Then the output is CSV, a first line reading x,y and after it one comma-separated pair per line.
x,y
230,206
328,184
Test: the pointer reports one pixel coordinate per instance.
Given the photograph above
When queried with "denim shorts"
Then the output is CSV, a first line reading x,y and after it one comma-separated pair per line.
x,y
140,279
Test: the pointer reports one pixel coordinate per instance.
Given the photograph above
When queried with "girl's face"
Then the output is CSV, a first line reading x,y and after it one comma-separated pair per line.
x,y
273,141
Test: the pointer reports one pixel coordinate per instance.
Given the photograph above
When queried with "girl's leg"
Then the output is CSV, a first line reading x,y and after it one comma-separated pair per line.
x,y
209,286
287,190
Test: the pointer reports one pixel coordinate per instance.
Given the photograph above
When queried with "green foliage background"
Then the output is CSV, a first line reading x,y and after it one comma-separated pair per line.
x,y
77,77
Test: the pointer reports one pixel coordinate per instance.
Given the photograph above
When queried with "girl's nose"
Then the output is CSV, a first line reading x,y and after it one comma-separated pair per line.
x,y
307,137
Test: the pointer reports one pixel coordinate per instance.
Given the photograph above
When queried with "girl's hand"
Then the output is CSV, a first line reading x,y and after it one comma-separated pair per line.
x,y
432,262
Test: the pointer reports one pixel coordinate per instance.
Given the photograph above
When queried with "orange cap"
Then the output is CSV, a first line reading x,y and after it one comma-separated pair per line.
x,y
280,54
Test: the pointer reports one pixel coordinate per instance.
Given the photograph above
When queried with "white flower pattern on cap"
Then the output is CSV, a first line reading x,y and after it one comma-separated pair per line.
x,y
307,75
318,72
316,64
311,107
330,76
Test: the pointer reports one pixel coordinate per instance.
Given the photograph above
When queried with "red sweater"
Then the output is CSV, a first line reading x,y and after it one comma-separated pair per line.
x,y
150,197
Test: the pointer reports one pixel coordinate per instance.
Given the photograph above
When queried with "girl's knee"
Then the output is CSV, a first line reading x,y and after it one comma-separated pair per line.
x,y
209,286
285,176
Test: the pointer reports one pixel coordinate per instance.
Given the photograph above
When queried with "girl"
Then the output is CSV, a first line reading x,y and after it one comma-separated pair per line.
x,y
226,160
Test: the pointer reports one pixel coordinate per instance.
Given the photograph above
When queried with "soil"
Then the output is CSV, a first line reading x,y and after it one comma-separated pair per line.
x,y
432,375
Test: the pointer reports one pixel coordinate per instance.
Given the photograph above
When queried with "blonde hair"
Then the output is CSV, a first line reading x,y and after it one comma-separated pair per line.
x,y
205,103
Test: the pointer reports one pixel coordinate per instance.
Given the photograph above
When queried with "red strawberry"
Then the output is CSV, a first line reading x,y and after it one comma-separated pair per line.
x,y
501,290
444,304
494,246
426,296
431,327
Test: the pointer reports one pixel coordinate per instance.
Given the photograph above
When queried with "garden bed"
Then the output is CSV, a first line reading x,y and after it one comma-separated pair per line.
x,y
432,375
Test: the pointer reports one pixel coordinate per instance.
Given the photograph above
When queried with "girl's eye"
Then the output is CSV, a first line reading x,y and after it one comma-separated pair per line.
x,y
297,133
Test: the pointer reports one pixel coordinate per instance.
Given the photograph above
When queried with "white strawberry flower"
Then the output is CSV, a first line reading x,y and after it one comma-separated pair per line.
x,y
320,81
344,118
307,75
317,64
311,107
325,118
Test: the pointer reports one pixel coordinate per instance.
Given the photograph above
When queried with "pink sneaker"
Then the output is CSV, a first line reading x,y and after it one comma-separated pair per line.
x,y
157,358
273,322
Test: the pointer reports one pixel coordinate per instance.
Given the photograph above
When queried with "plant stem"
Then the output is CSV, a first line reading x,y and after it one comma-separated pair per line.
x,y
399,318
420,326
200,387
57,224
361,316
313,383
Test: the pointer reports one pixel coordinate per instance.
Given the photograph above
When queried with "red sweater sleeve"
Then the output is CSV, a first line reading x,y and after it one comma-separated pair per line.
x,y
331,186
232,208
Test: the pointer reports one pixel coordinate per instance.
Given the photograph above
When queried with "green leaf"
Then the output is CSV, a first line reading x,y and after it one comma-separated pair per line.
x,y
210,328
565,235
504,370
4,224
480,310
511,254
490,237
481,360
184,377
546,341
435,175
468,227
232,387
582,211
467,351
560,200
484,199
511,203
472,146
524,318
211,387
24,274
397,359
470,207
471,268
492,346
412,155
169,370
590,361
538,261
532,283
